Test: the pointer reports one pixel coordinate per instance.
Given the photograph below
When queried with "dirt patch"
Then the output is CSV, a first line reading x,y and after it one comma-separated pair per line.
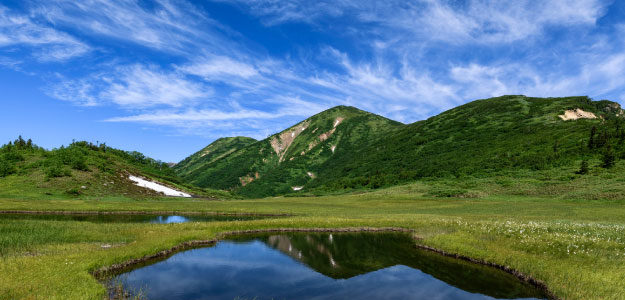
x,y
574,114
326,135
282,142
248,179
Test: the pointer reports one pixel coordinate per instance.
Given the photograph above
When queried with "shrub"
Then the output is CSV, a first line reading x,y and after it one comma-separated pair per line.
x,y
583,169
6,168
57,170
73,192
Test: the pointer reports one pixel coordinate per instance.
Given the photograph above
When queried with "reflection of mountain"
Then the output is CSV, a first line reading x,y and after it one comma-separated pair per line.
x,y
342,256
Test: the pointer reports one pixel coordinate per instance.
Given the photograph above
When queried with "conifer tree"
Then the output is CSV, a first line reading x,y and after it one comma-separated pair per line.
x,y
583,169
591,141
608,158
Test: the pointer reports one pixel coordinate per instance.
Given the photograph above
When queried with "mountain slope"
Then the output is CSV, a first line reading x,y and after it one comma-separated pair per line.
x,y
84,169
211,153
288,160
481,138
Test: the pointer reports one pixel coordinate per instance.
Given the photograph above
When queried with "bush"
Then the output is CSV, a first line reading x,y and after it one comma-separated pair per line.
x,y
73,192
448,192
57,170
583,169
6,168
80,163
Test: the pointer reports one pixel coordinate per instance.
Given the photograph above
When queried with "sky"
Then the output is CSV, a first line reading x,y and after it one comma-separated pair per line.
x,y
166,78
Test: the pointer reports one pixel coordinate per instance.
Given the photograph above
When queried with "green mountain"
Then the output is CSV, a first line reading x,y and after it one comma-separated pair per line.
x,y
83,169
483,138
346,148
287,161
211,153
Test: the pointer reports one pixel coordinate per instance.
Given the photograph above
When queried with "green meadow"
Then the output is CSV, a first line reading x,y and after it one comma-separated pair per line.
x,y
567,231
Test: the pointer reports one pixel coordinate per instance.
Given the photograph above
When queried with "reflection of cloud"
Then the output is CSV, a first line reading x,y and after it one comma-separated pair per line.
x,y
253,269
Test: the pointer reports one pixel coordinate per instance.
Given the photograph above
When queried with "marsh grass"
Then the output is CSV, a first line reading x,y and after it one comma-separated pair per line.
x,y
567,233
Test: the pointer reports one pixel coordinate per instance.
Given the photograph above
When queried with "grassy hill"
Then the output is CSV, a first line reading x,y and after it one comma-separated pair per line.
x,y
288,160
484,138
211,153
82,169
479,139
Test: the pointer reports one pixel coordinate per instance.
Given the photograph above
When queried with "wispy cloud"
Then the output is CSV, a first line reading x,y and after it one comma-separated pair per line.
x,y
218,67
452,21
162,24
46,43
132,87
413,58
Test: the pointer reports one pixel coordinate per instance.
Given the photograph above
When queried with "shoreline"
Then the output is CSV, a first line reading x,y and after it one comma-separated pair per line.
x,y
104,273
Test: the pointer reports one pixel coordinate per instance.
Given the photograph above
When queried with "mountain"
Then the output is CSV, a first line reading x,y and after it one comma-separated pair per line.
x,y
211,153
288,160
85,169
347,148
482,138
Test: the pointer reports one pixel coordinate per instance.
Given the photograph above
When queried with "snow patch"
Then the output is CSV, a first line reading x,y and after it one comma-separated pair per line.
x,y
577,114
157,187
338,121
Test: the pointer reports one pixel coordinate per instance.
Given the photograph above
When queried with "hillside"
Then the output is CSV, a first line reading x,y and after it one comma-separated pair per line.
x,y
211,153
483,138
288,160
346,148
84,169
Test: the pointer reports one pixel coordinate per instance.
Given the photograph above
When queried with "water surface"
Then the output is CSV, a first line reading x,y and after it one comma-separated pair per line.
x,y
128,218
321,266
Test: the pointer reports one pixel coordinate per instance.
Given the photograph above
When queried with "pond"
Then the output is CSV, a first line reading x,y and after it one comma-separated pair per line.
x,y
319,266
129,218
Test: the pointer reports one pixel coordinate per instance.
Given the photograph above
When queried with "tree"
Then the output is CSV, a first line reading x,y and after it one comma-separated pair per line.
x,y
583,169
608,158
556,145
591,141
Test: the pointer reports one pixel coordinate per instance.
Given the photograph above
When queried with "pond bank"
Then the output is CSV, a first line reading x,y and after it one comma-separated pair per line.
x,y
105,272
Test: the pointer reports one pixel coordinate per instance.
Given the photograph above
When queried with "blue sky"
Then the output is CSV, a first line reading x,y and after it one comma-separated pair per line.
x,y
168,77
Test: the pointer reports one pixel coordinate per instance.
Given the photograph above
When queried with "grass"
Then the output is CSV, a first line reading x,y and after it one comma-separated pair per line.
x,y
568,233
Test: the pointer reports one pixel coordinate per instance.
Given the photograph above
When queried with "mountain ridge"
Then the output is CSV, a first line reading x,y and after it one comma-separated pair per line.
x,y
479,137
298,150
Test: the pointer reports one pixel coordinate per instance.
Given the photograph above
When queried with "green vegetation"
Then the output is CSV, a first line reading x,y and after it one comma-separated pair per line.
x,y
482,138
503,179
82,168
288,159
559,227
218,149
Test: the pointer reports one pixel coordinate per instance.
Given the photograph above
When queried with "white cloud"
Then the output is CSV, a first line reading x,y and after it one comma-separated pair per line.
x,y
140,86
132,87
214,68
168,26
415,59
48,43
451,21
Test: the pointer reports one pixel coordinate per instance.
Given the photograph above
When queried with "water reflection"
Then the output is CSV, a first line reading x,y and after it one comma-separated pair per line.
x,y
321,266
127,218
